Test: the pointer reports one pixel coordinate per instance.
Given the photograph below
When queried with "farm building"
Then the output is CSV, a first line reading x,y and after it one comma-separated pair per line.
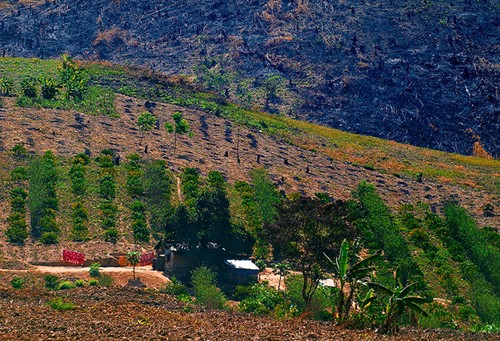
x,y
241,271
180,259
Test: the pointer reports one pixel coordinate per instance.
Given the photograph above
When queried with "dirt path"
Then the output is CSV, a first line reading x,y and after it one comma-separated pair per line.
x,y
120,275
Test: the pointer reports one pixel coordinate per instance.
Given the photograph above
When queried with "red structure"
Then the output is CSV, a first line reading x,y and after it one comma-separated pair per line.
x,y
73,257
147,258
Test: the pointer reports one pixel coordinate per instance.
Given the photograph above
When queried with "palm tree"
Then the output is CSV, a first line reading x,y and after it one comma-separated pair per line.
x,y
349,272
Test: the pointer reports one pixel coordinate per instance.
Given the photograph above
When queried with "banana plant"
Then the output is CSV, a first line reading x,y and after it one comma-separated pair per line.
x,y
351,272
399,301
364,301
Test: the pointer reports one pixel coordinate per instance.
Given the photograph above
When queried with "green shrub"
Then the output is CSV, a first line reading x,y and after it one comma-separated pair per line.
x,y
19,174
485,328
64,285
6,86
134,184
438,317
111,235
175,288
49,238
51,281
260,299
28,87
58,304
17,234
94,270
93,282
19,150
108,212
205,288
80,283
18,205
105,280
107,187
17,282
48,87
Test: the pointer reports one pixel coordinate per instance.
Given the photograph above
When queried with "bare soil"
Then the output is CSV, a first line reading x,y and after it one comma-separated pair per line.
x,y
125,313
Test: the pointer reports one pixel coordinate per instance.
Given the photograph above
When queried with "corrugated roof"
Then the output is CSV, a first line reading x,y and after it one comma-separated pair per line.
x,y
243,264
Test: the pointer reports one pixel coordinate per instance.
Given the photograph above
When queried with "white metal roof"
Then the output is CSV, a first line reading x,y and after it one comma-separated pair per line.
x,y
243,264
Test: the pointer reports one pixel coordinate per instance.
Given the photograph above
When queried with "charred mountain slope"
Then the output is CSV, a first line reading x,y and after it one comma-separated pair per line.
x,y
422,72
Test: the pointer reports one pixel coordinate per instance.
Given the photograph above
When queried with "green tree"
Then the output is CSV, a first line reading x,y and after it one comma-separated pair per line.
x,y
190,182
303,231
157,185
282,269
180,127
465,231
139,223
43,202
146,122
213,220
374,219
214,78
271,86
73,79
205,288
133,258
267,197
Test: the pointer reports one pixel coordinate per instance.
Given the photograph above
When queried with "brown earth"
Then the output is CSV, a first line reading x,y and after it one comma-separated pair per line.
x,y
67,133
125,313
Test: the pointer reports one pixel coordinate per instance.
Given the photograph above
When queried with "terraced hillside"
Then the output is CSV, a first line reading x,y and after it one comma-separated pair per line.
x,y
298,156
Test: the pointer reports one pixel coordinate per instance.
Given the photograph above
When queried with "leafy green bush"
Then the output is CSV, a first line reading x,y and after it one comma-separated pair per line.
x,y
111,235
107,187
175,288
58,304
94,270
79,283
205,288
6,86
19,174
93,282
374,219
108,212
64,285
19,150
17,234
139,224
49,238
48,87
260,299
17,282
105,280
485,328
51,281
323,298
28,87
43,202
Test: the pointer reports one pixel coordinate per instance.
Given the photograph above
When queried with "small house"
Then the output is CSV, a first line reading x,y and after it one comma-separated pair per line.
x,y
241,271
180,259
